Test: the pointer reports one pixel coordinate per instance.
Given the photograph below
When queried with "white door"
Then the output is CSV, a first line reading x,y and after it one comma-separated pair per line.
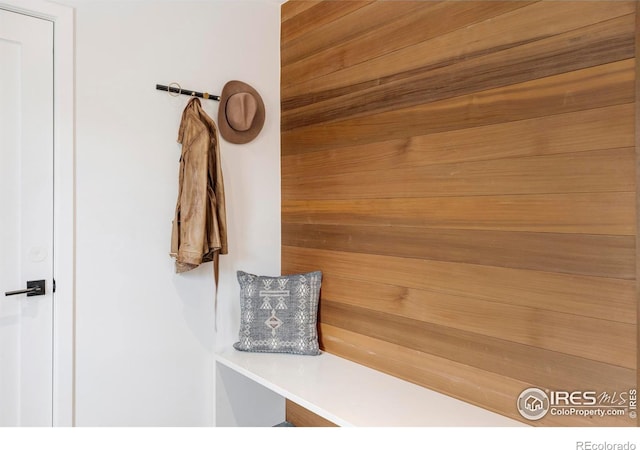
x,y
26,219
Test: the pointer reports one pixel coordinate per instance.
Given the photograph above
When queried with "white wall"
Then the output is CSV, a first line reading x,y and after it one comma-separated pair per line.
x,y
145,335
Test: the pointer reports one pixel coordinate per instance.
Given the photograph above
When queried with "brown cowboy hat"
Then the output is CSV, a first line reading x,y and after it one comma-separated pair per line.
x,y
241,112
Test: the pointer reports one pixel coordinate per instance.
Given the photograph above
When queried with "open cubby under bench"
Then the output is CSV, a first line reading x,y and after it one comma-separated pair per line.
x,y
252,388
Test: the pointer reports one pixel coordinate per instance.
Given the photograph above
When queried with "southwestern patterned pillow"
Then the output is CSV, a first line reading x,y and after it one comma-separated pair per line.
x,y
279,314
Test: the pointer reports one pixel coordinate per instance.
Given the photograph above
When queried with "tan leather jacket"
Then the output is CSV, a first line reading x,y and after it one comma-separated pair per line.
x,y
200,225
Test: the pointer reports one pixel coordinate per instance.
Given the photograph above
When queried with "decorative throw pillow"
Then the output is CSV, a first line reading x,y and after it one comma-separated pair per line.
x,y
279,314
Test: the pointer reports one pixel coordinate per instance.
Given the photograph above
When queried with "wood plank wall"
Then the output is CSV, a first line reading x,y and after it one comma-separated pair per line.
x,y
302,417
464,174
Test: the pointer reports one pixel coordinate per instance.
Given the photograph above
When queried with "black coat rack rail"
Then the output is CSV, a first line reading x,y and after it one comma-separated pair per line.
x,y
178,90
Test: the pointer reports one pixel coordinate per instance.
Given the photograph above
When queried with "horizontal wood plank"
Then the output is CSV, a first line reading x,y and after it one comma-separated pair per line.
x,y
480,351
302,417
431,20
316,15
592,255
595,87
592,213
294,7
595,129
565,333
521,26
599,44
605,298
330,35
596,171
489,389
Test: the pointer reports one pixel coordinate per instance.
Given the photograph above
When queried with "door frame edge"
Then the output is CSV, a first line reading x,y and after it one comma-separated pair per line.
x,y
63,389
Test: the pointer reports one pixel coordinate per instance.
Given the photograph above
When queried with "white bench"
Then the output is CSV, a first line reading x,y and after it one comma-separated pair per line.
x,y
341,391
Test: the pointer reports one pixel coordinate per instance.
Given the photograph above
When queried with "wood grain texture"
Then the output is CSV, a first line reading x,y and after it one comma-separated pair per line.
x,y
302,417
432,19
457,344
489,389
585,213
465,176
596,129
605,298
580,254
561,332
292,8
596,171
521,26
312,14
587,47
364,20
595,87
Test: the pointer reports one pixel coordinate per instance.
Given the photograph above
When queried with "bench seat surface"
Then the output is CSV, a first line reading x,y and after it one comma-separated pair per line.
x,y
350,394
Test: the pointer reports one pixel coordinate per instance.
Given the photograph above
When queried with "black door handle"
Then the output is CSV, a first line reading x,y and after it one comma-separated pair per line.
x,y
34,288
